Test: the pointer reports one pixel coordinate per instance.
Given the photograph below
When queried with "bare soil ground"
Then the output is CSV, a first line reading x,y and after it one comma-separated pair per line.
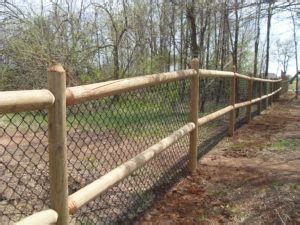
x,y
251,178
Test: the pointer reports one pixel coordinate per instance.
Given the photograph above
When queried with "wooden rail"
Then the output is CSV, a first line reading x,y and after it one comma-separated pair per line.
x,y
46,217
79,94
231,124
89,92
29,100
83,196
18,101
58,97
208,118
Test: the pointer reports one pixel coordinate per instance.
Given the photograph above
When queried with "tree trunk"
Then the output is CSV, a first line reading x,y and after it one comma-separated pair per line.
x,y
257,40
268,38
193,34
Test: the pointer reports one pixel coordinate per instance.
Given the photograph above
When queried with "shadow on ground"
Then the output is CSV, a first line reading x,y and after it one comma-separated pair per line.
x,y
253,177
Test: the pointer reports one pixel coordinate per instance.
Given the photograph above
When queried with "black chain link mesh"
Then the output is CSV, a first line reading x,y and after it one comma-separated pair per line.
x,y
214,95
103,134
24,165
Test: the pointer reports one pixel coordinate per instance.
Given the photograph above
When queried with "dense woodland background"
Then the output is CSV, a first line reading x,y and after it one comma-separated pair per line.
x,y
103,40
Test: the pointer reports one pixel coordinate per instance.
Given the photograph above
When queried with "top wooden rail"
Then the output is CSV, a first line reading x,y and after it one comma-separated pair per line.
x,y
29,100
79,94
215,73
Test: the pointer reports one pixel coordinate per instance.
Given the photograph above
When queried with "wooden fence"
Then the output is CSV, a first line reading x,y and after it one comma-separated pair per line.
x,y
57,97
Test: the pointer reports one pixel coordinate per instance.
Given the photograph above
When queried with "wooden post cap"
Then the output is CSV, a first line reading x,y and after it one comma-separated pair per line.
x,y
195,63
233,68
56,67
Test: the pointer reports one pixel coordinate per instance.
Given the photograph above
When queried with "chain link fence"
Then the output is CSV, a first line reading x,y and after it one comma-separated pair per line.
x,y
105,133
101,135
24,165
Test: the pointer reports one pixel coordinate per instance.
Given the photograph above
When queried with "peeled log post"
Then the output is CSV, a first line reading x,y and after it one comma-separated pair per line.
x,y
57,144
297,84
259,103
250,89
232,103
194,105
271,90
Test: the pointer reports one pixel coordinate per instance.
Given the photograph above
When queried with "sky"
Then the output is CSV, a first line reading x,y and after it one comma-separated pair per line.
x,y
282,29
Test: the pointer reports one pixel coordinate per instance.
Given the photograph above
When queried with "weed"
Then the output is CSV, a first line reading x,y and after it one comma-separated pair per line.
x,y
285,145
276,185
220,192
203,218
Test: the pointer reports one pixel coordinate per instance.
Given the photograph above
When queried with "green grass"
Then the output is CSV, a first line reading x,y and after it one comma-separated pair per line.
x,y
276,185
285,145
292,86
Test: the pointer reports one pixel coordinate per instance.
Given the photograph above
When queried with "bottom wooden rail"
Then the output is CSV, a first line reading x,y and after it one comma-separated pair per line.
x,y
94,189
210,117
214,115
45,217
242,104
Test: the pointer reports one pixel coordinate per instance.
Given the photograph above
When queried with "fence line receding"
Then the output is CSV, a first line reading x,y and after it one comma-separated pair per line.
x,y
105,151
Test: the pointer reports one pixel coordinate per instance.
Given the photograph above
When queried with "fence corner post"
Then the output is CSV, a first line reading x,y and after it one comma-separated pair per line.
x,y
194,105
231,125
250,91
57,144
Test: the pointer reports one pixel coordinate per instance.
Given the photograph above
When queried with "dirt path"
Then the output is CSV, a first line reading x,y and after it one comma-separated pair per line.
x,y
251,178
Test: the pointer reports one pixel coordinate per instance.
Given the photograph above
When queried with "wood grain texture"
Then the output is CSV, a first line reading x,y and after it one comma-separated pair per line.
x,y
21,101
194,106
57,144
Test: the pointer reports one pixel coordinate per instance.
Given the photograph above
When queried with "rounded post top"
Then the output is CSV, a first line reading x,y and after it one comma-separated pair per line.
x,y
233,68
56,67
195,63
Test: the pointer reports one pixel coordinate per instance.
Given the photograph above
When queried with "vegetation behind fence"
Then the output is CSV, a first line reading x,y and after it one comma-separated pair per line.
x,y
115,146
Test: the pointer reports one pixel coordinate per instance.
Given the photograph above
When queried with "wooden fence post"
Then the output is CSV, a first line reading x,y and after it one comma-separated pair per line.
x,y
250,90
259,103
194,105
271,90
274,89
231,126
297,84
279,93
267,92
57,144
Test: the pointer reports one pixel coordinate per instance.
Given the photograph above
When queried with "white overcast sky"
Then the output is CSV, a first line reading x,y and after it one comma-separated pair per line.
x,y
282,29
